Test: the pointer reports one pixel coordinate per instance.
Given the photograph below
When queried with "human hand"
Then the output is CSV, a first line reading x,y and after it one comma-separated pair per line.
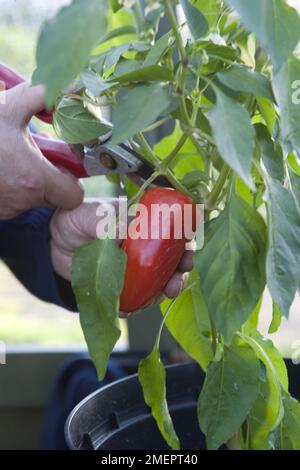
x,y
71,229
27,179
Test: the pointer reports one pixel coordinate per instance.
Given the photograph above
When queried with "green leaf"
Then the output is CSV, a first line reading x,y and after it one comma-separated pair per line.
x,y
95,84
112,57
231,387
159,48
275,24
295,186
121,31
294,163
116,5
65,43
289,430
97,280
75,124
152,18
267,411
269,355
232,265
197,23
287,96
218,50
241,78
234,134
137,109
254,317
276,320
190,310
126,66
144,74
268,113
272,157
283,258
188,158
152,378
209,8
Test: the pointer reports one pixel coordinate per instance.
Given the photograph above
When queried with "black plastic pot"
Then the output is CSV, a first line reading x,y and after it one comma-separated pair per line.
x,y
116,417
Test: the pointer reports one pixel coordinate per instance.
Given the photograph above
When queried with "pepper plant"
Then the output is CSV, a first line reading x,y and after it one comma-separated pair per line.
x,y
227,74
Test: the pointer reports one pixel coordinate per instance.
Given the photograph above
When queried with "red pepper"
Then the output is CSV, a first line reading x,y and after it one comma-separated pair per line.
x,y
151,262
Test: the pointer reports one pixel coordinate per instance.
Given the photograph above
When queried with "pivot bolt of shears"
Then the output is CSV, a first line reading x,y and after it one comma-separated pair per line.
x,y
107,161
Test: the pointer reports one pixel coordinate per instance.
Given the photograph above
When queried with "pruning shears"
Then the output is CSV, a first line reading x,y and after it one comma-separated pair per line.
x,y
99,157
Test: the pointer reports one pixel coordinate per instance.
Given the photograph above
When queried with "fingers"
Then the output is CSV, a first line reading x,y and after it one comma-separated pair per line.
x,y
176,283
27,101
174,286
61,190
186,264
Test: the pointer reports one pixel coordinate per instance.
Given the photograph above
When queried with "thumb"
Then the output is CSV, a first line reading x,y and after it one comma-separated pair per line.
x,y
61,190
28,100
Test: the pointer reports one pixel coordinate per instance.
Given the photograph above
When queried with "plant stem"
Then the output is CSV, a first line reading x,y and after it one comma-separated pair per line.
x,y
182,103
195,104
173,22
178,185
156,124
163,322
176,149
214,195
159,165
208,81
226,61
183,58
135,145
204,135
168,312
144,186
144,143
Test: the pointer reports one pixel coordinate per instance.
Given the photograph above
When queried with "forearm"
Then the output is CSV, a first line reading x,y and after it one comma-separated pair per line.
x,y
25,248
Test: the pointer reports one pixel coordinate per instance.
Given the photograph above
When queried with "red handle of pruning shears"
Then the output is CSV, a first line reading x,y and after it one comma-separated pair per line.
x,y
60,154
12,79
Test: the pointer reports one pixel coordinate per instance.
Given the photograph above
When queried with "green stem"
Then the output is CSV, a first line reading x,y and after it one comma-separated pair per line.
x,y
208,81
163,323
204,135
176,149
156,124
226,61
183,57
177,185
145,145
173,22
135,145
158,163
144,186
195,104
168,312
182,102
214,195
